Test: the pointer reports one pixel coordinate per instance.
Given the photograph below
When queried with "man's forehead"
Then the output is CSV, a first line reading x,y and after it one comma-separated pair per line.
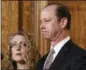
x,y
50,8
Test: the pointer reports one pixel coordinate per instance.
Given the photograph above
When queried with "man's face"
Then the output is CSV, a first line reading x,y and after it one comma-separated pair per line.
x,y
50,26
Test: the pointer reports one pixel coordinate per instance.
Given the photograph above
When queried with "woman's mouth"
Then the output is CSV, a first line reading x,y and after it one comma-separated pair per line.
x,y
18,54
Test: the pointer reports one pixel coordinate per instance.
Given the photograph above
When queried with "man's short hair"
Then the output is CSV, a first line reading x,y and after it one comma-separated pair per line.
x,y
61,12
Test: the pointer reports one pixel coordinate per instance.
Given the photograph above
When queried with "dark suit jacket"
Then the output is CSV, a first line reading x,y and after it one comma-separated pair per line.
x,y
71,57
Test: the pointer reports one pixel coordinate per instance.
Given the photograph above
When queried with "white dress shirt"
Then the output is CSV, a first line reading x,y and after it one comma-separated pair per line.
x,y
58,46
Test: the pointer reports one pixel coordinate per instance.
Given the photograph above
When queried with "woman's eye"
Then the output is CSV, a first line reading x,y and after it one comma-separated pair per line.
x,y
24,44
13,44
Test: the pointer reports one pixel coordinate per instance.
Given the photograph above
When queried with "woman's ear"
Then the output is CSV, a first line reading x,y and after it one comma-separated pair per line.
x,y
63,22
8,47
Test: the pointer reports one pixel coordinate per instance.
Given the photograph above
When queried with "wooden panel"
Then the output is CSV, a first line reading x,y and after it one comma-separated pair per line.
x,y
28,20
42,44
9,21
31,23
78,23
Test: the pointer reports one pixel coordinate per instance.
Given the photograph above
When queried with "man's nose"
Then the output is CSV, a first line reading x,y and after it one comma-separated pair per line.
x,y
42,26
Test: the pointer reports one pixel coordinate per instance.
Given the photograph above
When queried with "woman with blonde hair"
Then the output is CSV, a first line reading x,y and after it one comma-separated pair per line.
x,y
22,53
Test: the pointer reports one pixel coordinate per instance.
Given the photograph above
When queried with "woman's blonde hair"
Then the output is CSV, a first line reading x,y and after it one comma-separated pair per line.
x,y
32,56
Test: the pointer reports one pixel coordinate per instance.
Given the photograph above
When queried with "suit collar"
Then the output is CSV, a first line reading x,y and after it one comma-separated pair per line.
x,y
61,56
58,46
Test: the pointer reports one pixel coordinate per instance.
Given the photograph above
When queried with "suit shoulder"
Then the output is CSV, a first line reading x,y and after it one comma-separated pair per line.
x,y
77,50
40,62
43,57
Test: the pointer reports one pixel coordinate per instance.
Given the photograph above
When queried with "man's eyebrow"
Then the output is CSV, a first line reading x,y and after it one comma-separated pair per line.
x,y
47,18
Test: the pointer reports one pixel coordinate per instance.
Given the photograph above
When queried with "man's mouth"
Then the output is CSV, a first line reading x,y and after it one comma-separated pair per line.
x,y
43,32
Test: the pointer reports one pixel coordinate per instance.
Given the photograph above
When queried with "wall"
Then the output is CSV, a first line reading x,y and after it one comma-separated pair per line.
x,y
78,22
25,16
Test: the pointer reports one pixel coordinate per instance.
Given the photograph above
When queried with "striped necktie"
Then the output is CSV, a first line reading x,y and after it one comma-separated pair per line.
x,y
49,59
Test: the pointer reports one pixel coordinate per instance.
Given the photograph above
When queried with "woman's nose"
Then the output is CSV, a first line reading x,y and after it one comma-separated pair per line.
x,y
18,47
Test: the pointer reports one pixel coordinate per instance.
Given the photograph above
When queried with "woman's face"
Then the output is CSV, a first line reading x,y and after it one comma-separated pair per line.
x,y
19,48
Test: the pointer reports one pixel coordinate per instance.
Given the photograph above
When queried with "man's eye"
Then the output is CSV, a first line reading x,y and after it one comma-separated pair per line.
x,y
47,20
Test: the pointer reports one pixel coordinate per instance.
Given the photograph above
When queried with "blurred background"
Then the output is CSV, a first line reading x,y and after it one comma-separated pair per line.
x,y
24,16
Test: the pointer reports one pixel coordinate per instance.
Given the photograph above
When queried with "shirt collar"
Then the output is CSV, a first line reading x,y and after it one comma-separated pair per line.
x,y
60,44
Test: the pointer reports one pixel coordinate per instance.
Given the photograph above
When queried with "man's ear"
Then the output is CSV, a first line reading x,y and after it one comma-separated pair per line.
x,y
63,22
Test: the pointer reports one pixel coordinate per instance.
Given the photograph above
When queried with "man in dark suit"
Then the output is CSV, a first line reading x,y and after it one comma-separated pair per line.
x,y
55,23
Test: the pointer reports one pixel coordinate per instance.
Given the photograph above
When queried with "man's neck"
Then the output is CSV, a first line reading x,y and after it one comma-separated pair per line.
x,y
59,38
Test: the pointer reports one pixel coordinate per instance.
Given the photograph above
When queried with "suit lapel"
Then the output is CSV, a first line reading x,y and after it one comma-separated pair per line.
x,y
61,56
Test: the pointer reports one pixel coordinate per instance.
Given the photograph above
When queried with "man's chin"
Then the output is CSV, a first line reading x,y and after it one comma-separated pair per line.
x,y
46,37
